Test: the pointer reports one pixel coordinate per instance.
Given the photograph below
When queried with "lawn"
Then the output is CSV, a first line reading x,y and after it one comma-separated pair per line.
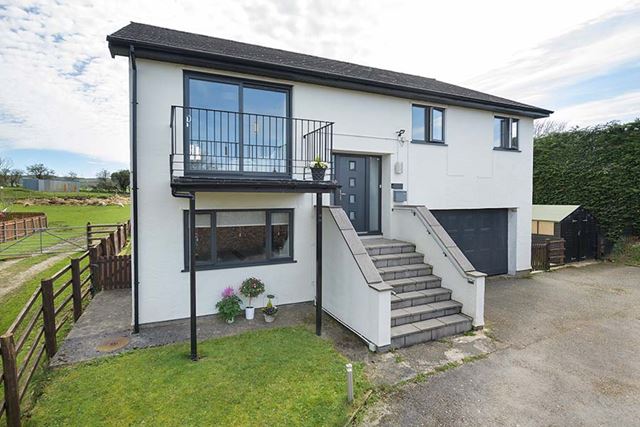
x,y
277,377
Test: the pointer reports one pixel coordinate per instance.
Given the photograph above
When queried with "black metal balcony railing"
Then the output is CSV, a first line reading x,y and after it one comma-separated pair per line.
x,y
215,143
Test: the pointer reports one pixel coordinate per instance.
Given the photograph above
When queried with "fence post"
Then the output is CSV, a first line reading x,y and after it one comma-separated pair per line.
x,y
93,267
49,317
88,235
10,373
75,289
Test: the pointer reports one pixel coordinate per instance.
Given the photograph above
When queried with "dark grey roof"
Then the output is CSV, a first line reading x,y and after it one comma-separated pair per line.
x,y
150,41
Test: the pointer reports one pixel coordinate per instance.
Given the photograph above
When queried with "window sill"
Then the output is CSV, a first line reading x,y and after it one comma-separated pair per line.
x,y
515,150
442,144
203,267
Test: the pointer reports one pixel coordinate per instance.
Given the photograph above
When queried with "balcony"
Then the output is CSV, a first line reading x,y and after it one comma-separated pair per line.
x,y
214,150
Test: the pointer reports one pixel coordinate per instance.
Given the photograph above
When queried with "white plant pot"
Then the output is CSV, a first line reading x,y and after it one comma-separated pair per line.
x,y
230,321
269,319
249,312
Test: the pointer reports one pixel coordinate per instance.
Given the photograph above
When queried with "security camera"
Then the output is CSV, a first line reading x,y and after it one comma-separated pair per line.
x,y
400,133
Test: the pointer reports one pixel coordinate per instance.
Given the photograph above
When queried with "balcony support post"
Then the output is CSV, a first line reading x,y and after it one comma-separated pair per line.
x,y
192,276
318,264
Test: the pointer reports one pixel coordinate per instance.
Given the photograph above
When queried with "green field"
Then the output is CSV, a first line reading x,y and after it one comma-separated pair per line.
x,y
275,377
66,222
18,193
71,215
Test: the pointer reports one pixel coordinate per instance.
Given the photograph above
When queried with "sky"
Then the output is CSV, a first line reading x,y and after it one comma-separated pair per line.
x,y
64,100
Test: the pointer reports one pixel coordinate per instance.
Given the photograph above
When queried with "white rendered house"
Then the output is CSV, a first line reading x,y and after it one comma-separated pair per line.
x,y
428,186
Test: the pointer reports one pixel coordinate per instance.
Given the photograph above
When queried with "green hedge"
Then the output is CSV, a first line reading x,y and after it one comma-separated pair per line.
x,y
597,167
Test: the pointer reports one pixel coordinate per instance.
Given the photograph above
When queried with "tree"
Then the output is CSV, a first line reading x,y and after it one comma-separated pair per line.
x,y
72,175
121,179
547,127
14,177
5,170
40,171
4,176
104,181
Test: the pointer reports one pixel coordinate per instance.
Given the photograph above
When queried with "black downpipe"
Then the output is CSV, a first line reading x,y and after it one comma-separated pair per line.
x,y
134,185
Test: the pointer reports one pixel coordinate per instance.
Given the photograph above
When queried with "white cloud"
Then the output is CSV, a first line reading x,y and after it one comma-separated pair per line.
x,y
47,103
622,108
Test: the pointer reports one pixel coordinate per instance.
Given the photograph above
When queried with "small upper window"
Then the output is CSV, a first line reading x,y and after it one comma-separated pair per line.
x,y
427,124
505,133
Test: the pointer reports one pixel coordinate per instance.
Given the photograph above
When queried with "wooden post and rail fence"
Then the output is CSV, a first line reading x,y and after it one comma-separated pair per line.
x,y
46,317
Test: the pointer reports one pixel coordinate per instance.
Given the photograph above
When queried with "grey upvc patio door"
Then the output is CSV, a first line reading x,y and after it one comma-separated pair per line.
x,y
233,126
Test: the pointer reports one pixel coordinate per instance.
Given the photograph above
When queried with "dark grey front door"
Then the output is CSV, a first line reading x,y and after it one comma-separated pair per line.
x,y
359,195
481,234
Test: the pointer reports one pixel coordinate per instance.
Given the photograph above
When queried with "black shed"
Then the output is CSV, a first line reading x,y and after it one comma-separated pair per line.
x,y
573,223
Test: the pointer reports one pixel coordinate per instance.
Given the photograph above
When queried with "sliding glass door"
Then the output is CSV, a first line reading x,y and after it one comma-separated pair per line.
x,y
236,127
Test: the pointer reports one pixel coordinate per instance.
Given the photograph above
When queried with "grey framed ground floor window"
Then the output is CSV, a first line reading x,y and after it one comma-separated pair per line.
x,y
234,238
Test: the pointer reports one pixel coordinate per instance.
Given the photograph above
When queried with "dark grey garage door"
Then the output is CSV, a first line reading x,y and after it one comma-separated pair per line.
x,y
481,234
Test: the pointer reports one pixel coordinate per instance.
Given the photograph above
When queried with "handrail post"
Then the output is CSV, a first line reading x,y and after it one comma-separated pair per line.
x,y
10,374
49,317
75,289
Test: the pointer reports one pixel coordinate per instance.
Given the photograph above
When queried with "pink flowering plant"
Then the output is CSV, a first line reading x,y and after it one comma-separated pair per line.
x,y
252,288
229,306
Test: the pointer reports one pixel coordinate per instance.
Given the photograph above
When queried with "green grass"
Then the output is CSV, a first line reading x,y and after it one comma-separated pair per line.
x,y
277,377
71,215
17,193
13,302
59,217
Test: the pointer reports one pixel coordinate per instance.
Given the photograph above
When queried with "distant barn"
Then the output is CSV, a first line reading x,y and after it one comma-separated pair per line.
x,y
573,223
52,185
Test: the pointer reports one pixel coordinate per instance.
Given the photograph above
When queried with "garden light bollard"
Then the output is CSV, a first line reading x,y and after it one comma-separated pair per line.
x,y
349,382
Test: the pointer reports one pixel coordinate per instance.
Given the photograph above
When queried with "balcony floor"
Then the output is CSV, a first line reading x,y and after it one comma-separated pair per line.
x,y
249,184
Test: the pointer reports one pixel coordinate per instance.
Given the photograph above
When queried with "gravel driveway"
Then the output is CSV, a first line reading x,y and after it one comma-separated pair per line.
x,y
569,354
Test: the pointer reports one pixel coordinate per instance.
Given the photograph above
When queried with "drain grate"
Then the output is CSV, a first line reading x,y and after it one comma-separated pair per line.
x,y
112,344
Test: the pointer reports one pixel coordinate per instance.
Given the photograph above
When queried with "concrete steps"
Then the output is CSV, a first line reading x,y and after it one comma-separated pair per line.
x,y
421,309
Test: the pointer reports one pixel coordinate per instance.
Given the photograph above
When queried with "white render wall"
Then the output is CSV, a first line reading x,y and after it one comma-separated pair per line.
x,y
467,173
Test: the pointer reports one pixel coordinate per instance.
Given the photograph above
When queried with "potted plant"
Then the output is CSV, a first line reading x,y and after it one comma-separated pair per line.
x,y
318,168
251,288
270,310
229,306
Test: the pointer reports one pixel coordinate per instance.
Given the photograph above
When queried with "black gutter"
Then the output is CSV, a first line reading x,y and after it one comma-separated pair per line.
x,y
204,59
134,185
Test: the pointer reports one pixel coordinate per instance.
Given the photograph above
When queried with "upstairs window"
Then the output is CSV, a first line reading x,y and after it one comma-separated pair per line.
x,y
427,124
506,132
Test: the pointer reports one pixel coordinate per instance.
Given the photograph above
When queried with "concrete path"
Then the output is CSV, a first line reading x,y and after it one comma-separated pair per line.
x,y
568,354
104,329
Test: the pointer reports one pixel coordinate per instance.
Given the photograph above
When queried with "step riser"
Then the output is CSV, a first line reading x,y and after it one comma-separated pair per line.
x,y
388,250
398,261
411,318
418,286
431,335
392,275
421,300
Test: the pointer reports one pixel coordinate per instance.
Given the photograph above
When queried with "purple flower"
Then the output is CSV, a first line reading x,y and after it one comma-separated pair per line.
x,y
228,292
